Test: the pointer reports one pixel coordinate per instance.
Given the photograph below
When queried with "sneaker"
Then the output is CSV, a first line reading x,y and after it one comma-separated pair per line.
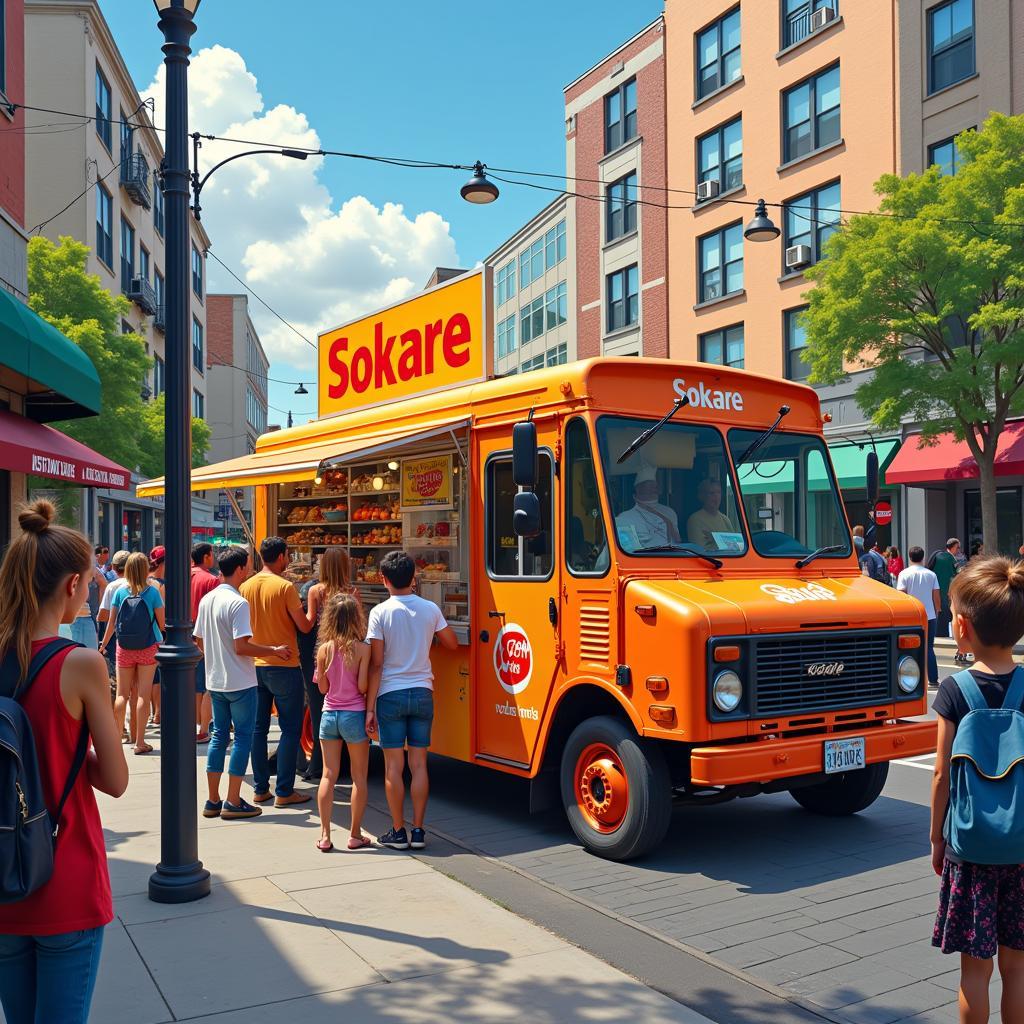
x,y
240,810
212,808
418,839
395,839
291,799
263,798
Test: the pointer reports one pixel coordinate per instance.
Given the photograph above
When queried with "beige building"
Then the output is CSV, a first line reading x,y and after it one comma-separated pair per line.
x,y
535,293
73,63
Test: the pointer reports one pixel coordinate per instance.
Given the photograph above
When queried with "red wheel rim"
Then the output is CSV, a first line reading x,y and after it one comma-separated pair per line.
x,y
307,735
602,790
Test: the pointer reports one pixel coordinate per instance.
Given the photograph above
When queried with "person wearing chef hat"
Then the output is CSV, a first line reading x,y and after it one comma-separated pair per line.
x,y
648,523
708,520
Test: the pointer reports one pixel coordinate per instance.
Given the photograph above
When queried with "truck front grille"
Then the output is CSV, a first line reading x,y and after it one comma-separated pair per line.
x,y
796,674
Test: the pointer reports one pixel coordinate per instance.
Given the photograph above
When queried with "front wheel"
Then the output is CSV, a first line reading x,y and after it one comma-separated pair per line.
x,y
845,793
616,789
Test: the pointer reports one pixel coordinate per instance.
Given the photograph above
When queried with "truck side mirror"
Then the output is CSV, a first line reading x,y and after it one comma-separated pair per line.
x,y
524,454
871,477
526,514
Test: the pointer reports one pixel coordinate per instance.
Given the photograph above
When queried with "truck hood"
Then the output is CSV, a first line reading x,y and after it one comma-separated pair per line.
x,y
782,603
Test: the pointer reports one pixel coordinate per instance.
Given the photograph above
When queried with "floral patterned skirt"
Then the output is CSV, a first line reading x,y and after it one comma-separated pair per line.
x,y
981,907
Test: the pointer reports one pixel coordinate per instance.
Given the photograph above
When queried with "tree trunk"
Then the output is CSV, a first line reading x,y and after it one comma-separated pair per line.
x,y
989,517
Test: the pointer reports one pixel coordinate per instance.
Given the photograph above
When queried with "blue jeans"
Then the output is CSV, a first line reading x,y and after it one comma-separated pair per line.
x,y
49,977
83,631
236,707
405,717
349,726
933,665
282,687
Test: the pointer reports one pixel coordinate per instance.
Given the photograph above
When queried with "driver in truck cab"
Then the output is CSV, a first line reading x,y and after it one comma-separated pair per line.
x,y
648,523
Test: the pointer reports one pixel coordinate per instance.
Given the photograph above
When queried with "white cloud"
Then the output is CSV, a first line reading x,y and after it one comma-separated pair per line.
x,y
275,224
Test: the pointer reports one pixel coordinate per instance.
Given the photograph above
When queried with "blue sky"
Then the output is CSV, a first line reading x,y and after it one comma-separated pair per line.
x,y
441,81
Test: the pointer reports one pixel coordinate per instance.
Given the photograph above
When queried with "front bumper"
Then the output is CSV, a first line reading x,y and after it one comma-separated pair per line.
x,y
764,760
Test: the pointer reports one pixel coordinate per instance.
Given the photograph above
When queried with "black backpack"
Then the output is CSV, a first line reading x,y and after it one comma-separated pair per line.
x,y
134,624
28,835
876,567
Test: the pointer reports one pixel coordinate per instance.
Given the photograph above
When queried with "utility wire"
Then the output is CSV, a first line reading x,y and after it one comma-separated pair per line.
x,y
259,376
92,184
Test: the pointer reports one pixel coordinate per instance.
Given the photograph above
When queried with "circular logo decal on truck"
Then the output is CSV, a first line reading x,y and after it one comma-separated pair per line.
x,y
513,658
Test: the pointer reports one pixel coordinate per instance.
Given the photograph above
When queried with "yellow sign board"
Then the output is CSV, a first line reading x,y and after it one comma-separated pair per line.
x,y
427,483
434,341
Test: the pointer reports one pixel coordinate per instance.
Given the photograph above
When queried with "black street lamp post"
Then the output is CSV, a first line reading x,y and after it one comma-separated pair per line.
x,y
180,876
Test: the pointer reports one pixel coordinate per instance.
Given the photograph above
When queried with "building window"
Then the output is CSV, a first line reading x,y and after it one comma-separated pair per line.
x,y
620,199
143,262
536,363
810,113
950,43
720,156
723,347
507,336
811,219
197,345
104,226
158,377
558,355
505,283
721,262
797,367
620,116
554,245
797,18
945,155
531,320
718,54
126,138
255,413
103,129
158,205
198,405
127,255
531,263
623,290
197,272
158,287
556,307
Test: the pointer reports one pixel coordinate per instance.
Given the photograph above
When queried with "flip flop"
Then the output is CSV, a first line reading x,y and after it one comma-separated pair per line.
x,y
147,749
358,844
324,848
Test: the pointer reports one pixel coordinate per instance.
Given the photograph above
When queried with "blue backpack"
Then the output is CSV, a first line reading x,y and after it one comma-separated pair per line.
x,y
134,625
985,821
28,835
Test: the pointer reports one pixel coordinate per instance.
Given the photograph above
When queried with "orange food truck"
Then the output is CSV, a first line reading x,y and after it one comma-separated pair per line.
x,y
647,563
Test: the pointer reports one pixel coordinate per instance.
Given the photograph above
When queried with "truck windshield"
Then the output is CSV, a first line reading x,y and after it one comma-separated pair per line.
x,y
675,496
789,495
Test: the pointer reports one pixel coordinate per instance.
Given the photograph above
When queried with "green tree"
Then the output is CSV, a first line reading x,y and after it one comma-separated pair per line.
x,y
151,439
932,299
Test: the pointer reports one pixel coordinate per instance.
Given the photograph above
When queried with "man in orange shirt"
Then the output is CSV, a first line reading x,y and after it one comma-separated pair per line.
x,y
276,614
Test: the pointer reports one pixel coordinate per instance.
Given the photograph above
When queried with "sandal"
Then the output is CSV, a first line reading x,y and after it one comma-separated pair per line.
x,y
358,844
145,749
203,737
324,845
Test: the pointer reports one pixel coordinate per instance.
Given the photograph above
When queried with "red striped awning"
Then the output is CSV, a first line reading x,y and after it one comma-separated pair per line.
x,y
949,459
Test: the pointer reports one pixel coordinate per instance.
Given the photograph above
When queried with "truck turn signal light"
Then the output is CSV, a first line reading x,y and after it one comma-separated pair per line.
x,y
663,714
909,641
727,653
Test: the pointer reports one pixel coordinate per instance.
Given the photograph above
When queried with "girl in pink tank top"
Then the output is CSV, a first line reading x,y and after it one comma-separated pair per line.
x,y
342,662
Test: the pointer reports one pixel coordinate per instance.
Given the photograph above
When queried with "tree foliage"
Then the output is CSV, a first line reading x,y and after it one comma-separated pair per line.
x,y
932,299
151,439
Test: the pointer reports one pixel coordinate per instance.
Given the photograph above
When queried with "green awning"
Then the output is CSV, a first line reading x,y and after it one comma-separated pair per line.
x,y
62,383
847,459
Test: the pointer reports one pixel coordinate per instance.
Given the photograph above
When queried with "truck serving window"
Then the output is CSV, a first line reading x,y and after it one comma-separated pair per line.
x,y
509,556
586,545
789,495
673,497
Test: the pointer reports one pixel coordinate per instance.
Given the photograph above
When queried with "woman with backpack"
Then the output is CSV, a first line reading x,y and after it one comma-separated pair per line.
x,y
50,939
977,807
137,613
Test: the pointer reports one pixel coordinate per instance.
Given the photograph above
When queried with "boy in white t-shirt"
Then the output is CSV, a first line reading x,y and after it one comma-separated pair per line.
x,y
922,583
400,695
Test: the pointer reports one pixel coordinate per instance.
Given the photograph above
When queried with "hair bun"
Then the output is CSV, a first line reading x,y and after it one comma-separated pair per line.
x,y
36,518
1015,575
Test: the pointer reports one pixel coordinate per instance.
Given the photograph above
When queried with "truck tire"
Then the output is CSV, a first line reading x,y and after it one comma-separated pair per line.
x,y
616,789
845,793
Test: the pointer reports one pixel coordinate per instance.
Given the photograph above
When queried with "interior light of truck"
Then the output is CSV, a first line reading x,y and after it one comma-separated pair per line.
x,y
656,685
909,642
663,714
378,483
727,691
908,674
729,652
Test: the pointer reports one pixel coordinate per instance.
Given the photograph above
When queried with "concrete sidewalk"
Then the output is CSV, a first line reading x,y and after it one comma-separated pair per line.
x,y
291,933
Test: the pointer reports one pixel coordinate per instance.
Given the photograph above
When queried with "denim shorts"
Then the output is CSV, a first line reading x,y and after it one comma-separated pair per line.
x,y
349,726
404,717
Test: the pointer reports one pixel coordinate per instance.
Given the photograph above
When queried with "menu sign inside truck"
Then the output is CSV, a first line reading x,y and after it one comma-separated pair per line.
x,y
433,341
427,483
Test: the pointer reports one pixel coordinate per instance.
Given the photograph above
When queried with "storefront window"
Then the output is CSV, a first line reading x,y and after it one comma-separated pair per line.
x,y
158,528
1008,520
133,529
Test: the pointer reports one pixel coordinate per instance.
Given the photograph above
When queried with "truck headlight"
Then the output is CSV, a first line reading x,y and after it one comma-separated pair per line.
x,y
727,691
908,674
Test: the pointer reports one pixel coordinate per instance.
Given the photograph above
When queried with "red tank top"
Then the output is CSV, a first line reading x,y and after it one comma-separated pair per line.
x,y
77,896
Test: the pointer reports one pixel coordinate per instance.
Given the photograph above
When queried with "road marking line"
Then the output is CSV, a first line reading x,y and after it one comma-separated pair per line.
x,y
915,764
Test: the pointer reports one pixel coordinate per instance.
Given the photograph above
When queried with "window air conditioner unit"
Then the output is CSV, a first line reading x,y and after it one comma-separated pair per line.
x,y
821,17
798,256
707,190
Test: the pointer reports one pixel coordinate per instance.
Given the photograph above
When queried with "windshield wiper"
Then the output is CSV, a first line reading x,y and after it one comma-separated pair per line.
x,y
640,440
691,552
831,549
757,442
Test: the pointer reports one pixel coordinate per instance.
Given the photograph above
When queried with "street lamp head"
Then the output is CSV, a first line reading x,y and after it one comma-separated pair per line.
x,y
295,154
165,5
301,390
478,189
761,228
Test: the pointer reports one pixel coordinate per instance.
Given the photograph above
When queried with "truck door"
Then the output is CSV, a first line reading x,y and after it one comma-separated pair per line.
x,y
516,597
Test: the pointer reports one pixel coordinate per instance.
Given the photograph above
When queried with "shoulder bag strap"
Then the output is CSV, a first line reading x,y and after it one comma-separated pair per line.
x,y
1014,698
9,672
81,750
969,688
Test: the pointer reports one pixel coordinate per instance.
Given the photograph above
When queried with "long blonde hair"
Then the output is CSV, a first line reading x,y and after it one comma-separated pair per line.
x,y
341,628
136,572
36,563
335,571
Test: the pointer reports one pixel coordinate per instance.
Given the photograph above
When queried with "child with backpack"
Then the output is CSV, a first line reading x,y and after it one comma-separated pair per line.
x,y
55,897
137,615
977,808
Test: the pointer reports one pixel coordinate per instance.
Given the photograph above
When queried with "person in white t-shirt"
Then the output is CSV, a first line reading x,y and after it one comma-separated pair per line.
x,y
400,695
922,583
224,635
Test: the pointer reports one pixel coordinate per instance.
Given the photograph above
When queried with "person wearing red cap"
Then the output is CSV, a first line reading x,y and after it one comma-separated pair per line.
x,y
156,579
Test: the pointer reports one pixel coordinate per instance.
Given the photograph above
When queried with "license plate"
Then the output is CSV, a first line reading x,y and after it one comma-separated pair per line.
x,y
844,755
